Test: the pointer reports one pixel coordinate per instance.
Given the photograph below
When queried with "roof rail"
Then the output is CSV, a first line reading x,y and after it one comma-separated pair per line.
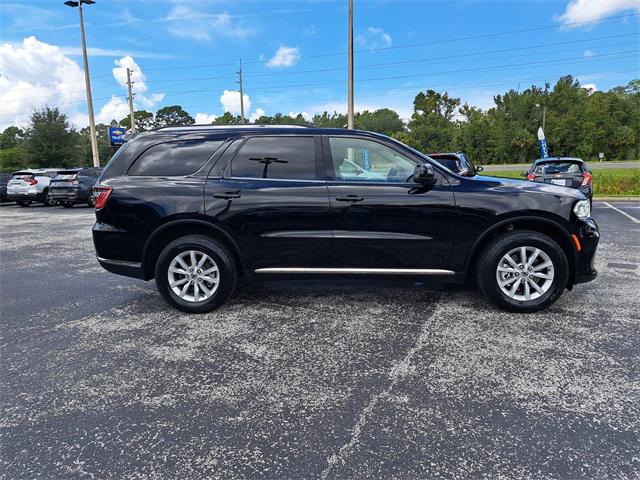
x,y
226,127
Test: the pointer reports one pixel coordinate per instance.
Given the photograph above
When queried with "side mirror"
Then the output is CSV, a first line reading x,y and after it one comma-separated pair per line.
x,y
424,175
525,173
479,168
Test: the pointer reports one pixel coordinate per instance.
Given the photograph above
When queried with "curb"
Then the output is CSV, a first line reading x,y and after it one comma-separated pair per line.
x,y
631,198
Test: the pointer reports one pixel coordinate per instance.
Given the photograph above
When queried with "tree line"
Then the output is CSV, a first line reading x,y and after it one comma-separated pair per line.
x,y
578,122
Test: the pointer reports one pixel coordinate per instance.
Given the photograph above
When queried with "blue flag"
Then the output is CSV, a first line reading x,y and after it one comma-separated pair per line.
x,y
542,141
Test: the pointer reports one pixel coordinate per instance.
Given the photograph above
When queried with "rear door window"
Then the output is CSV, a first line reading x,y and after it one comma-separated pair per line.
x,y
174,158
284,158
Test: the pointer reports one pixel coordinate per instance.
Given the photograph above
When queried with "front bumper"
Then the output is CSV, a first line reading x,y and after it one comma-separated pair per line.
x,y
588,235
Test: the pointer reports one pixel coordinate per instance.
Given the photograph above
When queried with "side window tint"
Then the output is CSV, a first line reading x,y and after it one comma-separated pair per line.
x,y
366,161
174,158
276,157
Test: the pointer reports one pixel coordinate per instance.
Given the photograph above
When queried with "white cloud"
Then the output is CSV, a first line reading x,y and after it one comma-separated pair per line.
x,y
139,82
257,114
590,87
34,74
204,118
115,109
373,38
230,101
589,10
305,115
186,22
588,53
285,57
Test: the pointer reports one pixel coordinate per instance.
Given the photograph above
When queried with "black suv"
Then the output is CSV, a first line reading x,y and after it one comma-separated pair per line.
x,y
200,207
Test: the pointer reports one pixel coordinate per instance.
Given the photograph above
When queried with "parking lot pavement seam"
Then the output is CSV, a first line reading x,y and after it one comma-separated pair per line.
x,y
396,373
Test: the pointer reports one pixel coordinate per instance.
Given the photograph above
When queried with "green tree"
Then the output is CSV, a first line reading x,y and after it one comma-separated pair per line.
x,y
383,120
10,137
329,120
173,115
50,141
432,127
144,121
227,119
12,159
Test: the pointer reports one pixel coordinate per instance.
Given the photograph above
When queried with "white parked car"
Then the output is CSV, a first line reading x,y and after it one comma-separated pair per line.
x,y
28,186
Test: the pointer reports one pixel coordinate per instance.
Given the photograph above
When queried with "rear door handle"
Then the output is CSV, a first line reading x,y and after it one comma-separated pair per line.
x,y
227,195
350,198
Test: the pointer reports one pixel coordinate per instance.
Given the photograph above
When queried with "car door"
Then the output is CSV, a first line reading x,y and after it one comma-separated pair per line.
x,y
381,218
272,198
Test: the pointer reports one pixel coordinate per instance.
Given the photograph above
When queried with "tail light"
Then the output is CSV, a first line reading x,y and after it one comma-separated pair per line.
x,y
531,176
31,181
587,178
101,196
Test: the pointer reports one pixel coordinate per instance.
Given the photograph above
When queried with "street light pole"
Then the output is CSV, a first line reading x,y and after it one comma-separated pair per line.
x,y
87,81
350,122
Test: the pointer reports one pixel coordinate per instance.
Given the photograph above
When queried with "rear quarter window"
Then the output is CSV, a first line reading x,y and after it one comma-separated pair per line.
x,y
174,158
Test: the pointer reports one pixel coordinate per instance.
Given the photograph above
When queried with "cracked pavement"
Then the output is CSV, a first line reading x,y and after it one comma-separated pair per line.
x,y
310,379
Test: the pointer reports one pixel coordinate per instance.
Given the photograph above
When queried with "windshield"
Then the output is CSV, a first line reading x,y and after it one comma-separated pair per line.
x,y
557,167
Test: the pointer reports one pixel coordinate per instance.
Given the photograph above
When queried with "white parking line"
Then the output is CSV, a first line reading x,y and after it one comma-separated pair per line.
x,y
633,219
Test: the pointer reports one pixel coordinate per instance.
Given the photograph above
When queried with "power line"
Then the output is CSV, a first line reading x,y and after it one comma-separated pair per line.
x,y
410,45
378,65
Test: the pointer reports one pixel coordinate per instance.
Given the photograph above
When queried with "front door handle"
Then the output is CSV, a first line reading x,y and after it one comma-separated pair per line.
x,y
227,195
350,198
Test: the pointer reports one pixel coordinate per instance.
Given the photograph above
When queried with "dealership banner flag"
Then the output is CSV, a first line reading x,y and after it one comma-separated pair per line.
x,y
544,151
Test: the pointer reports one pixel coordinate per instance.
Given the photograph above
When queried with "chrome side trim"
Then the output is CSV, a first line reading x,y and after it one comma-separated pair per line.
x,y
369,235
366,235
122,263
358,271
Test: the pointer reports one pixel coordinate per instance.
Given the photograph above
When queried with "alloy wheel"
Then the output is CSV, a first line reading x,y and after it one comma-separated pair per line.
x,y
193,276
525,273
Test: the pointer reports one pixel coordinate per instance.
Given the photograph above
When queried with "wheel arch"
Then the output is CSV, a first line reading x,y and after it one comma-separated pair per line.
x,y
173,230
539,224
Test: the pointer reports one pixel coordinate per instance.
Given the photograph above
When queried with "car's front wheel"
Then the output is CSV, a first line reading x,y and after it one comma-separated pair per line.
x,y
523,271
195,274
66,204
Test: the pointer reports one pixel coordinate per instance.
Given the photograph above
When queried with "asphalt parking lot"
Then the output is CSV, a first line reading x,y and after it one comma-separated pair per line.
x,y
101,379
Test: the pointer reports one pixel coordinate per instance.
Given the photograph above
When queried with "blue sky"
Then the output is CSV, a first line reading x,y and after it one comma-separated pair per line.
x,y
294,52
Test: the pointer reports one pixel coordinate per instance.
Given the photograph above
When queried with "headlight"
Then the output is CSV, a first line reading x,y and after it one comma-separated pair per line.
x,y
582,209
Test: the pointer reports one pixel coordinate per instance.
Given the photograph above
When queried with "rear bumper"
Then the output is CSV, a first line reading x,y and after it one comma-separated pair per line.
x,y
117,250
588,235
25,196
63,196
122,267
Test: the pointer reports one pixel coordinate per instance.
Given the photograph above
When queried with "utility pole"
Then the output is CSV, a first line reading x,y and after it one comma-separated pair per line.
x,y
239,72
544,116
350,122
87,81
130,98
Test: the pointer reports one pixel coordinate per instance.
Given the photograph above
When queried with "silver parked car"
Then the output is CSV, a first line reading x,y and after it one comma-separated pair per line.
x,y
28,186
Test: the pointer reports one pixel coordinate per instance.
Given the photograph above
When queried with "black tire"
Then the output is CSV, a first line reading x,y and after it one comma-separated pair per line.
x,y
90,201
489,258
67,204
47,200
228,272
24,203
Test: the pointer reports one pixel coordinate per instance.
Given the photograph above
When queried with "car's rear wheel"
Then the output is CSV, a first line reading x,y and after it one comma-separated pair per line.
x,y
48,200
195,274
523,271
24,203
